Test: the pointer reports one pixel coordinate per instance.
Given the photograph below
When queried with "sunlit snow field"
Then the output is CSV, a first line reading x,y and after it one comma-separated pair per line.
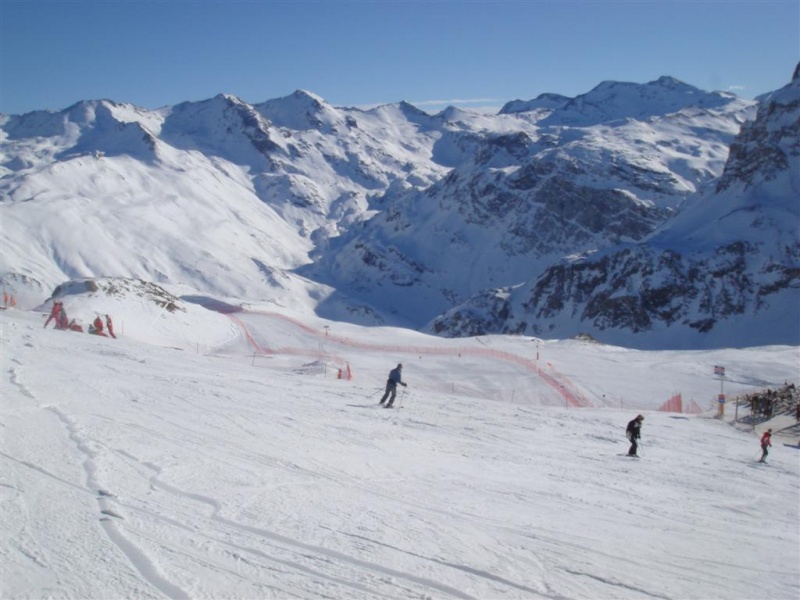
x,y
209,456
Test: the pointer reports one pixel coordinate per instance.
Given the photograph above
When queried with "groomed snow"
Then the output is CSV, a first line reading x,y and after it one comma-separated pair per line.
x,y
140,468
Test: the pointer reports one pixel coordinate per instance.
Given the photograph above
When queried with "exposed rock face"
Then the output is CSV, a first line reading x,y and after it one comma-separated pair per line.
x,y
767,146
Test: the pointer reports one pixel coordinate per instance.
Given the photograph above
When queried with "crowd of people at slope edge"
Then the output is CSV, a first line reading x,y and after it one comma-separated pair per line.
x,y
766,404
58,314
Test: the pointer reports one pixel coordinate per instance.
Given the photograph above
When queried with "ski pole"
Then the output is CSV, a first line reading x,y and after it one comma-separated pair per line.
x,y
402,398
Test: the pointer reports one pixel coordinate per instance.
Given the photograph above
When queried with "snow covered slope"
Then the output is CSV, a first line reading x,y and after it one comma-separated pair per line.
x,y
178,461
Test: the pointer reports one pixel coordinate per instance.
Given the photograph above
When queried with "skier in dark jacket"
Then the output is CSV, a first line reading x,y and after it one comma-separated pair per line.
x,y
634,432
395,378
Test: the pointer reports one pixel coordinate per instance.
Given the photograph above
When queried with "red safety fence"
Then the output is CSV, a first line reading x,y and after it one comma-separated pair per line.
x,y
674,404
560,383
694,408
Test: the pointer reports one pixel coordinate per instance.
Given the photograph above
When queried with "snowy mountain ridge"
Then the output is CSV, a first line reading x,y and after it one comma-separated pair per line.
x,y
383,216
726,267
614,100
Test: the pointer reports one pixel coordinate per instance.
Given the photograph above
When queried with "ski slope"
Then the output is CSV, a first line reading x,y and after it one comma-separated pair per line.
x,y
219,456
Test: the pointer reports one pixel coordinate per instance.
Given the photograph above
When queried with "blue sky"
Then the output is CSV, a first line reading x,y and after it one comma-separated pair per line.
x,y
431,53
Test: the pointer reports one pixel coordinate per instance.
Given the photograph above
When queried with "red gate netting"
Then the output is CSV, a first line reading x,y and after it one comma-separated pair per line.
x,y
694,408
333,358
573,397
674,404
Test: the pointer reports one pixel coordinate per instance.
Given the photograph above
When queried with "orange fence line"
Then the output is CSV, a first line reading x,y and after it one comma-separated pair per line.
x,y
573,397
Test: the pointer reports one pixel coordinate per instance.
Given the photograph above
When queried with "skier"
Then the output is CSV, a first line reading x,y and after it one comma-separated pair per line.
x,y
395,377
633,433
766,442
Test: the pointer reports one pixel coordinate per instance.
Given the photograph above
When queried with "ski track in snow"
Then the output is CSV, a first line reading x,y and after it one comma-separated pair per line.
x,y
149,572
259,535
137,558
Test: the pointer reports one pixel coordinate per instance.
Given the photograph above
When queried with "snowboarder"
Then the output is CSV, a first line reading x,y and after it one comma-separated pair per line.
x,y
395,377
633,432
766,442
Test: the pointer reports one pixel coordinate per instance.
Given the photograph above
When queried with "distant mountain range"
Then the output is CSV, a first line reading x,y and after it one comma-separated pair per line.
x,y
648,215
724,270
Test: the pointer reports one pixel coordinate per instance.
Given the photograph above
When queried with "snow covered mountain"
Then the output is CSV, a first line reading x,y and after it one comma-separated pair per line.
x,y
534,187
724,271
208,194
388,215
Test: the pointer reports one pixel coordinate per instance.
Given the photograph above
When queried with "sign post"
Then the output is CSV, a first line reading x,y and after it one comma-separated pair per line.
x,y
720,372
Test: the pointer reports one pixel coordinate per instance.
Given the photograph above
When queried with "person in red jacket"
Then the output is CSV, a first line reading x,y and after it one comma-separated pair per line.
x,y
766,442
110,327
54,312
97,324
